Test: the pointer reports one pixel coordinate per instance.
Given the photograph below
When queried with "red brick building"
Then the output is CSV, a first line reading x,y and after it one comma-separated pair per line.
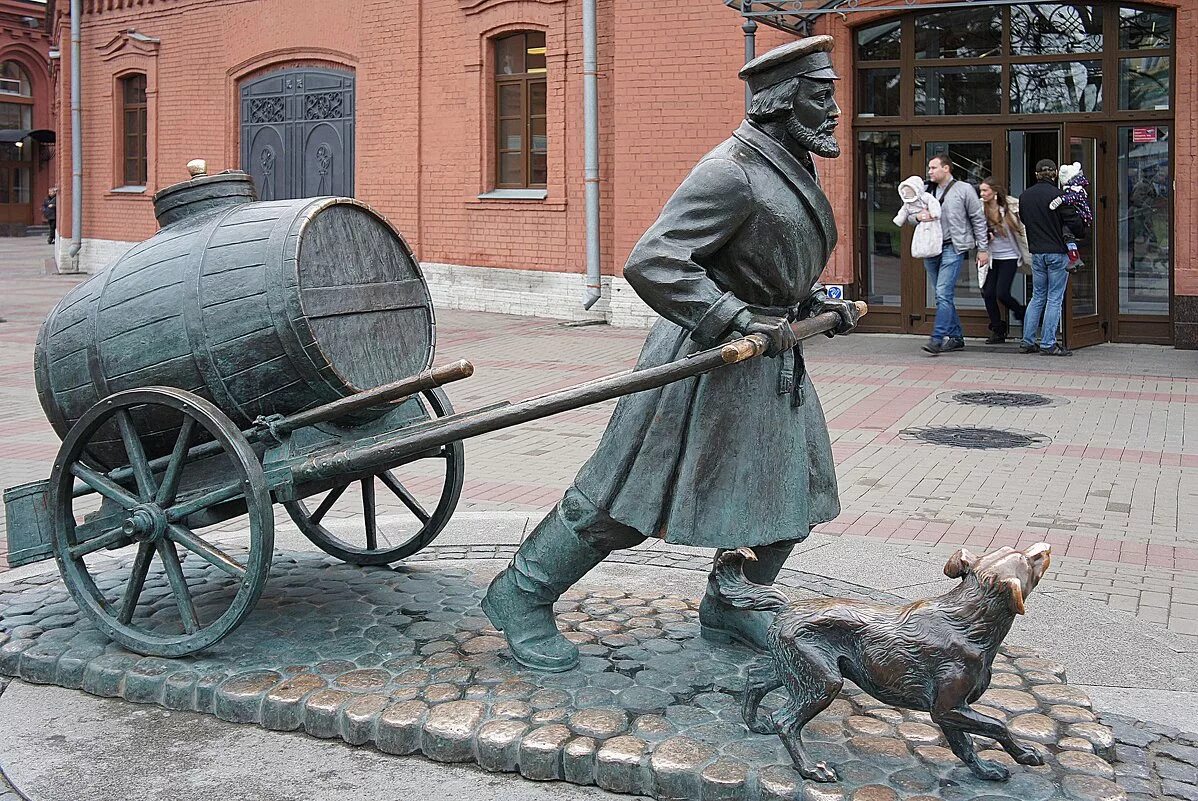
x,y
26,114
463,122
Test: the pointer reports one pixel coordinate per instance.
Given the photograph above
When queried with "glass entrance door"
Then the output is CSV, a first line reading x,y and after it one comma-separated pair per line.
x,y
880,243
1086,321
1143,234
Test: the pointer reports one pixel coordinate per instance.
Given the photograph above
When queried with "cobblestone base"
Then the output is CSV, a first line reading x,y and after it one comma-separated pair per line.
x,y
1154,762
403,659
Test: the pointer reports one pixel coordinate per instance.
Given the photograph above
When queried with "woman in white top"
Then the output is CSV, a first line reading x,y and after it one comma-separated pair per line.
x,y
1008,244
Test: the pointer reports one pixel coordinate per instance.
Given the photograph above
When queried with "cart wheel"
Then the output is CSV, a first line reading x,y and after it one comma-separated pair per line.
x,y
145,510
365,548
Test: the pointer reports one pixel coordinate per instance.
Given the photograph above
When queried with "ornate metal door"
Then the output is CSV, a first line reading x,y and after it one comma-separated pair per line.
x,y
297,133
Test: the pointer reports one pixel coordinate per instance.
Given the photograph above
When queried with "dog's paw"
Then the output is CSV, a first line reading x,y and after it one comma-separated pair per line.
x,y
820,772
990,771
1029,756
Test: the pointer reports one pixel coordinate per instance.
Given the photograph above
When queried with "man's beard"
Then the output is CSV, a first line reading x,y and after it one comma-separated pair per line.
x,y
819,141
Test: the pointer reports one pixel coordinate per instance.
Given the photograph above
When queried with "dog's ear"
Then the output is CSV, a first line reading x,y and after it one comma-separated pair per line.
x,y
1015,595
959,564
1041,550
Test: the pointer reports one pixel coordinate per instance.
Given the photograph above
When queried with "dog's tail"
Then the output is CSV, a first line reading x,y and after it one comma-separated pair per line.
x,y
738,591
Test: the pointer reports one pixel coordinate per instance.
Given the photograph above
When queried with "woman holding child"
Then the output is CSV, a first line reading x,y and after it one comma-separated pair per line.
x,y
1008,248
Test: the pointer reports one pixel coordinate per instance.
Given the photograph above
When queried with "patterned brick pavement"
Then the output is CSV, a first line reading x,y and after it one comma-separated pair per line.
x,y
1115,489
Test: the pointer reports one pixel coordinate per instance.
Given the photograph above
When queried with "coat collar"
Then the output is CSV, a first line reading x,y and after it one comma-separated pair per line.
x,y
800,177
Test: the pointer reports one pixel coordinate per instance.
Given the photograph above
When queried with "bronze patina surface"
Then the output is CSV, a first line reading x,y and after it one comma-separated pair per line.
x,y
739,456
934,656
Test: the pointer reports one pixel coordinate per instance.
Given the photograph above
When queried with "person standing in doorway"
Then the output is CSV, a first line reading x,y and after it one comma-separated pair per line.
x,y
963,221
1008,249
50,212
1047,219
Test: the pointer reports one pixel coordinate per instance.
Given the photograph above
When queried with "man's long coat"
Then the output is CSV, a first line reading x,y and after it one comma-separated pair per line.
x,y
729,458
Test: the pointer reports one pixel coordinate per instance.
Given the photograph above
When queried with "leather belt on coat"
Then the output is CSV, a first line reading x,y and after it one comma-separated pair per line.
x,y
792,368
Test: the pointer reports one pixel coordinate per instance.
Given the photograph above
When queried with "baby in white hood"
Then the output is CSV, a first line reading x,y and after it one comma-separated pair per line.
x,y
915,201
928,238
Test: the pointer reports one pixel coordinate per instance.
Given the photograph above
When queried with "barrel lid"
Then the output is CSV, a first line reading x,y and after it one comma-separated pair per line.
x,y
202,192
234,177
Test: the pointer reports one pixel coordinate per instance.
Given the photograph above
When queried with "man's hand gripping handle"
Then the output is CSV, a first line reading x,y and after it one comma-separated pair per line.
x,y
758,344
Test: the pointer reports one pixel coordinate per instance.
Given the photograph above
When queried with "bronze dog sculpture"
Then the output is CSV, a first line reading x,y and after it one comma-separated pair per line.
x,y
932,655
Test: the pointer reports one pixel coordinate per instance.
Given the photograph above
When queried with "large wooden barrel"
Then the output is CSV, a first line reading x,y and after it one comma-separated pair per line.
x,y
263,308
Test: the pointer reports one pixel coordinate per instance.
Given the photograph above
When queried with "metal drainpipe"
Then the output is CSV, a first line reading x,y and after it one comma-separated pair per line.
x,y
750,29
76,136
590,92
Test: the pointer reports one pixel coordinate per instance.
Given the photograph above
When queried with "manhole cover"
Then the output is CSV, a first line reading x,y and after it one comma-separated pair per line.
x,y
1006,400
978,438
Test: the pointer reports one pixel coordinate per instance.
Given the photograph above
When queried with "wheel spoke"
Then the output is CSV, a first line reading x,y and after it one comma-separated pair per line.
x,y
137,579
225,493
327,503
209,553
174,468
110,537
408,499
104,485
136,455
174,574
368,513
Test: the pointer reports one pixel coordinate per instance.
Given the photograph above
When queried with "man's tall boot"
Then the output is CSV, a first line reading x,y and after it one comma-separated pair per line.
x,y
722,622
520,600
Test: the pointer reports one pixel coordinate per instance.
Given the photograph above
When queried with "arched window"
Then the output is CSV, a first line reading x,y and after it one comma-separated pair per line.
x,y
133,116
521,146
14,80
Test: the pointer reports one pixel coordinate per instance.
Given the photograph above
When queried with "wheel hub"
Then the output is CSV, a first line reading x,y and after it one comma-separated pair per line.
x,y
145,522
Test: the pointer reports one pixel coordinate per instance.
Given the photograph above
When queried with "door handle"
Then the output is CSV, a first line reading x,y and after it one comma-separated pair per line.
x,y
915,318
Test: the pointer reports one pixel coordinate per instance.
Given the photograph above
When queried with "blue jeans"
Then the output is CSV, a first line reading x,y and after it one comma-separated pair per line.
x,y
1049,280
943,270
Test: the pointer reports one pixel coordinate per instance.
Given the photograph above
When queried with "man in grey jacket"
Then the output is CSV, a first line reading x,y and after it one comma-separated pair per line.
x,y
964,223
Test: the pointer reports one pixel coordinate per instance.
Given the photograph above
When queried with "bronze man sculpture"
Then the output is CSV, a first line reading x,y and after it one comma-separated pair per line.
x,y
736,457
932,655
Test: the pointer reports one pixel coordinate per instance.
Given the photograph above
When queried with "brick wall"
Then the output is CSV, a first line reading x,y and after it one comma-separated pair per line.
x,y
668,92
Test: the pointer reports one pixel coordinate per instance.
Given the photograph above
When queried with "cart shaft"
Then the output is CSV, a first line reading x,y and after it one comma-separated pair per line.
x,y
387,393
376,456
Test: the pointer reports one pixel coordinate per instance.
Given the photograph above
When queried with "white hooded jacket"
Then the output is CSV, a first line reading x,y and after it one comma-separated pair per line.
x,y
929,235
915,200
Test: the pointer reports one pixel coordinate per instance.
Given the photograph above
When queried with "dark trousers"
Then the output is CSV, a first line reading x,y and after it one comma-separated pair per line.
x,y
998,288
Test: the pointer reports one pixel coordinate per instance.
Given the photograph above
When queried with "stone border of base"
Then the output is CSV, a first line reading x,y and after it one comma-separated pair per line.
x,y
667,726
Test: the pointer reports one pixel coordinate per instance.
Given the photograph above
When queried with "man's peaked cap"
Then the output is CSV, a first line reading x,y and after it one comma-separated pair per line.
x,y
809,58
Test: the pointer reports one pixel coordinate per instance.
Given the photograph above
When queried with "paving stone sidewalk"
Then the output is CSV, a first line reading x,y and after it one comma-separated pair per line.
x,y
1115,488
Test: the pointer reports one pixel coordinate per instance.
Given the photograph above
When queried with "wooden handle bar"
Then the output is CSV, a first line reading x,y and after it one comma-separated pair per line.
x,y
387,393
373,456
756,344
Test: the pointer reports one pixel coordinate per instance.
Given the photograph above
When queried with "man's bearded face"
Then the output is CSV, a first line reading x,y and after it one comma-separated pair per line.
x,y
813,119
